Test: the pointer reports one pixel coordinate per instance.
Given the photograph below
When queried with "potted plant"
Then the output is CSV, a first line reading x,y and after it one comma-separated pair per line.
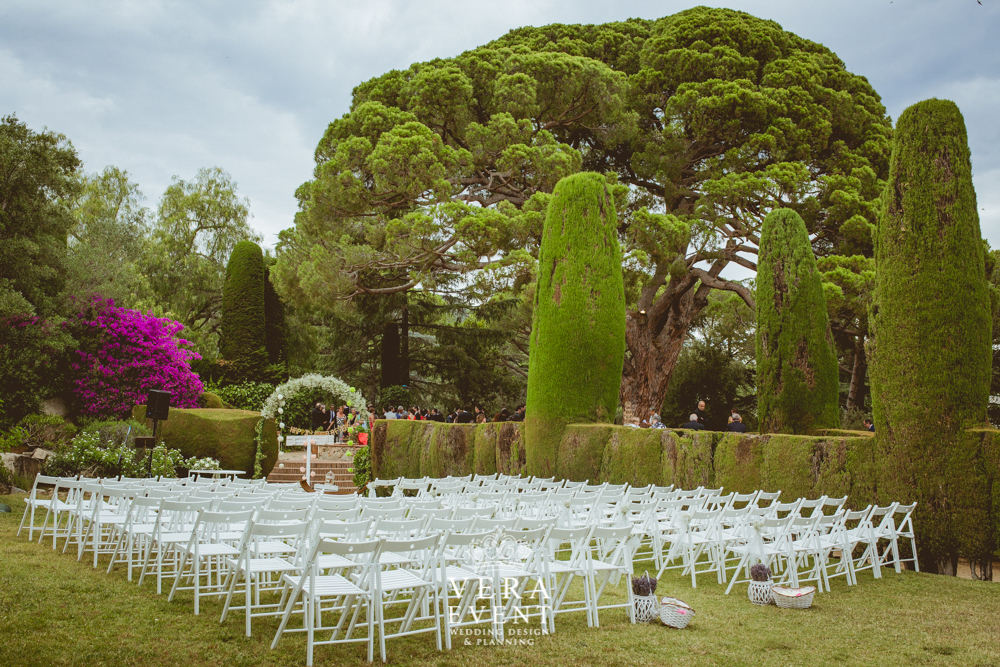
x,y
645,606
761,586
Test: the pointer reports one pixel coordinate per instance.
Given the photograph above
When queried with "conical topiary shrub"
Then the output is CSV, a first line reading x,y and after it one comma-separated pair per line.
x,y
244,338
577,345
931,321
797,372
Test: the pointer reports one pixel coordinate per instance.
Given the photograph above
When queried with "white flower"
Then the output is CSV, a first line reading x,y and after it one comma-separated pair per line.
x,y
281,411
282,426
566,504
280,397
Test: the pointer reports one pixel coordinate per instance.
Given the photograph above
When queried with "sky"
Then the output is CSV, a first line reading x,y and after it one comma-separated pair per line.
x,y
163,88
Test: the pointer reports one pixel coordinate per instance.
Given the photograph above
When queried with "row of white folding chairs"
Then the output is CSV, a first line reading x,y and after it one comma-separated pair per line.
x,y
787,542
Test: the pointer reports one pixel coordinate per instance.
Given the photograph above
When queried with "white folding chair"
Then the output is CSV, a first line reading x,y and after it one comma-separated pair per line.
x,y
208,551
349,596
254,568
408,586
33,503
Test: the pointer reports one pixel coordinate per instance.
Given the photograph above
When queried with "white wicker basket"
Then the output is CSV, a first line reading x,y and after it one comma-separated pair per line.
x,y
760,592
646,608
675,613
794,598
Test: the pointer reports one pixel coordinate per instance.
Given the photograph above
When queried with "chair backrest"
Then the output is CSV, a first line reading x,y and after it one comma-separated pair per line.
x,y
241,504
453,525
784,509
341,504
904,525
273,516
321,514
212,526
291,504
379,513
486,524
767,497
743,499
399,528
834,505
423,513
381,503
346,530
809,507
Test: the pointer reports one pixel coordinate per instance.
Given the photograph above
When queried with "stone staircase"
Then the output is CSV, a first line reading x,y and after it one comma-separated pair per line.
x,y
287,471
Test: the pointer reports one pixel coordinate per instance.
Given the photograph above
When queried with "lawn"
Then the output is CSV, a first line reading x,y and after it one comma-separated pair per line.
x,y
57,611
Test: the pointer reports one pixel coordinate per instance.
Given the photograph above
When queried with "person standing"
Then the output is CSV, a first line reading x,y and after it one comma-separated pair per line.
x,y
390,413
869,425
700,412
317,418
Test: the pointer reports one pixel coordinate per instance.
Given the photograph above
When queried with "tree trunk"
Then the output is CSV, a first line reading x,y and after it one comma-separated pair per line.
x,y
653,343
404,349
857,373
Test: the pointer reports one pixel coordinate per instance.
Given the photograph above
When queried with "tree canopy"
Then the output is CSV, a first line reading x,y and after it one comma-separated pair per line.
x,y
37,179
438,177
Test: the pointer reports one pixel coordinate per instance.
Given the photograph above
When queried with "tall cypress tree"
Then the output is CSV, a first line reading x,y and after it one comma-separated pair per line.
x,y
244,337
797,371
931,354
577,344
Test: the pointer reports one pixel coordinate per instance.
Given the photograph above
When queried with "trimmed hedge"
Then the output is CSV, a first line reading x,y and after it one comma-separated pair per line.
x,y
225,435
411,448
796,465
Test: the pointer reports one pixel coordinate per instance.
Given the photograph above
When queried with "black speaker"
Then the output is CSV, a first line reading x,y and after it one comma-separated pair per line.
x,y
158,404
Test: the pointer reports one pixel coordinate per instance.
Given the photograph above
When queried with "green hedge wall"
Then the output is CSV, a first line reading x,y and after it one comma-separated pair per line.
x,y
226,435
838,464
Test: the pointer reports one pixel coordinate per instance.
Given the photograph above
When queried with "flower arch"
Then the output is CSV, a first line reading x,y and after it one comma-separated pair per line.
x,y
274,405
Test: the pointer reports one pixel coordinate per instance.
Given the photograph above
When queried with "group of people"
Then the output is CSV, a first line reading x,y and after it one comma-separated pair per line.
x,y
456,416
335,420
696,421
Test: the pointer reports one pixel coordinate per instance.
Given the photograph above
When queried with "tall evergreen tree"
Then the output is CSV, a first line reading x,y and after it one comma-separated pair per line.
x,y
275,330
244,336
797,372
578,331
931,356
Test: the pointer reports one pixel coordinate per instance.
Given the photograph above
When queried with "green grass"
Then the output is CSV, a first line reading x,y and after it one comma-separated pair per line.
x,y
57,611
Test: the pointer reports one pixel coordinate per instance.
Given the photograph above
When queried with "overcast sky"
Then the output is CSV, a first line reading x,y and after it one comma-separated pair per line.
x,y
164,88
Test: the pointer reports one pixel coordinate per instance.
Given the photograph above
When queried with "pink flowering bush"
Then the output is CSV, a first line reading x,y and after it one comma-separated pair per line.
x,y
122,354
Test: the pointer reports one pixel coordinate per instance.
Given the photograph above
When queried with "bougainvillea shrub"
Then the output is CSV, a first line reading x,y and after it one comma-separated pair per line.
x,y
122,355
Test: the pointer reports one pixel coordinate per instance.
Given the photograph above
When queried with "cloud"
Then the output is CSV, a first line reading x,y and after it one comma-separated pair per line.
x,y
164,88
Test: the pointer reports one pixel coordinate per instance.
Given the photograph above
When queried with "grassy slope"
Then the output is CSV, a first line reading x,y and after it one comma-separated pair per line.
x,y
56,611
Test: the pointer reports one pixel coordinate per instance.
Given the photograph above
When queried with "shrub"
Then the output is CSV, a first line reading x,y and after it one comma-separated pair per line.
x,y
92,456
395,396
244,338
577,344
797,369
32,364
931,357
361,466
122,355
244,395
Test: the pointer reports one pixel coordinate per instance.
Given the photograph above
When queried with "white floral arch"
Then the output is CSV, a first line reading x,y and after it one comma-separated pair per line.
x,y
274,405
